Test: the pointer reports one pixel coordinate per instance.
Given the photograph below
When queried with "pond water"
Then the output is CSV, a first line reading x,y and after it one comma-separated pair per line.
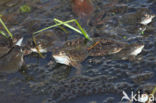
x,y
103,79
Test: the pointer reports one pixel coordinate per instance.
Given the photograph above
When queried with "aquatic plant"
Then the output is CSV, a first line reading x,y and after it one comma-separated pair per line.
x,y
3,33
61,27
81,31
124,37
25,8
5,27
59,23
37,48
154,91
142,32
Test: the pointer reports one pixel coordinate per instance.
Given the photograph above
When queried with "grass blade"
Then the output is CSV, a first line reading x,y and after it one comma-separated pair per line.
x,y
3,33
37,48
5,27
154,91
81,31
49,27
62,28
67,25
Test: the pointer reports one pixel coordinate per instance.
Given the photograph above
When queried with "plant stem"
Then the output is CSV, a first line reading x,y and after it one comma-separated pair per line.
x,y
67,25
81,31
52,26
154,90
37,48
3,33
62,28
5,27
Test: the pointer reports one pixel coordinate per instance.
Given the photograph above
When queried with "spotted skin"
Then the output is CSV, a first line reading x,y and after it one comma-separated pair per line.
x,y
12,61
74,52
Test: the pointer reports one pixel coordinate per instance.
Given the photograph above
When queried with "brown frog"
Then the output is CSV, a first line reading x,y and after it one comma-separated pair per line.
x,y
73,52
13,59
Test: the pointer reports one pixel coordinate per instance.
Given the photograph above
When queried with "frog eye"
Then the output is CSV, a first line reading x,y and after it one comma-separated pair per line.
x,y
62,52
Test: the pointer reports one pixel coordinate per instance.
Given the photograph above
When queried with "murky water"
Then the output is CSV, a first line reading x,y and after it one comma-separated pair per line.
x,y
103,79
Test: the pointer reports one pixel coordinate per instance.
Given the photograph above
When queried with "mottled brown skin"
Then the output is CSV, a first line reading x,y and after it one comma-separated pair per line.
x,y
82,8
78,50
76,56
5,45
104,47
12,61
76,43
46,39
125,52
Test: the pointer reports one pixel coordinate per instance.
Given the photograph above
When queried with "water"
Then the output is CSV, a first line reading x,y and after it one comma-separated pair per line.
x,y
103,79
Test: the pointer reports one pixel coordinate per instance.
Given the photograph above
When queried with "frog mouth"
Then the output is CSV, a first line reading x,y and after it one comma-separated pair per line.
x,y
137,51
148,19
62,59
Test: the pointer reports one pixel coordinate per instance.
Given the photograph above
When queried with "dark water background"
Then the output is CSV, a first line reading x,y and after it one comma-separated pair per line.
x,y
102,79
